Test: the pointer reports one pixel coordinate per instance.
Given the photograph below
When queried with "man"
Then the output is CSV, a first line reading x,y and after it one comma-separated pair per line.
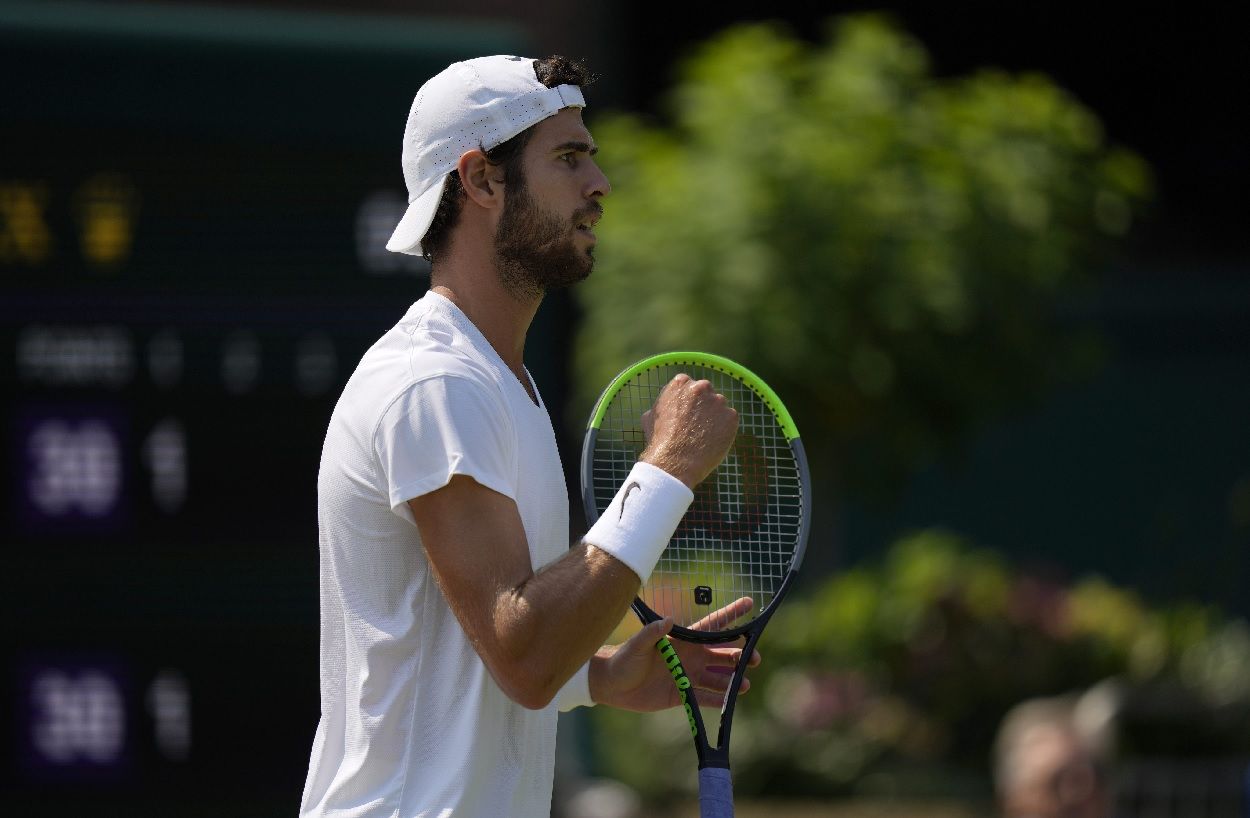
x,y
1050,758
454,617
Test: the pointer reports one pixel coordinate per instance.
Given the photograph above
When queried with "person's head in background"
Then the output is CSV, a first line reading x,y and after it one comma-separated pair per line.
x,y
1050,759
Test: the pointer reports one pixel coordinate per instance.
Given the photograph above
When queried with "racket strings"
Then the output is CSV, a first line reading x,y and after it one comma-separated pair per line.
x,y
739,537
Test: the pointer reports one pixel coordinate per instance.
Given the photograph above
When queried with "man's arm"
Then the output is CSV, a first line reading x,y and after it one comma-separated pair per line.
x,y
534,630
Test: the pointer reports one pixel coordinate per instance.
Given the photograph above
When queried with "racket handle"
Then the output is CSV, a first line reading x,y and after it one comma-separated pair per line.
x,y
716,793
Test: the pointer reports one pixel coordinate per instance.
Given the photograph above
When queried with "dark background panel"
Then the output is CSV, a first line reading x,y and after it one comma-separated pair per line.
x,y
193,204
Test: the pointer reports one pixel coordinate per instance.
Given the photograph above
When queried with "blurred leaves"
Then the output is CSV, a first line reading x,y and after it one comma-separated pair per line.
x,y
888,250
910,664
899,256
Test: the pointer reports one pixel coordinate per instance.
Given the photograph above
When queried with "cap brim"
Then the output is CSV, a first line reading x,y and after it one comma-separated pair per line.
x,y
411,228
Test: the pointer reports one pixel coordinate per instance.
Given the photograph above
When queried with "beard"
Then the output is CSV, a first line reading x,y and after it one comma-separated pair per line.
x,y
534,248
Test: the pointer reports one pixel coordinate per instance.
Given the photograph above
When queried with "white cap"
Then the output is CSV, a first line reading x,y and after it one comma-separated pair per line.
x,y
470,105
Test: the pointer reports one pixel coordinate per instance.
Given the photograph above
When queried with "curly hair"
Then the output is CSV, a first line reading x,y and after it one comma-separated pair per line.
x,y
551,71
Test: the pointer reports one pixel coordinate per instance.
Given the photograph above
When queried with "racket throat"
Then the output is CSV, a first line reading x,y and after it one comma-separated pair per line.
x,y
714,756
735,685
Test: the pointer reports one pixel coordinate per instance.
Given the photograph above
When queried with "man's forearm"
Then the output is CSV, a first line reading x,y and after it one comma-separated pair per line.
x,y
552,622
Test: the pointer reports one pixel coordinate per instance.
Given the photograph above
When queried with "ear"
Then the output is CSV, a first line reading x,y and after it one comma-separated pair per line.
x,y
482,181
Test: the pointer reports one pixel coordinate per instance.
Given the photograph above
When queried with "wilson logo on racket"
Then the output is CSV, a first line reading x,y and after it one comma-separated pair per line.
x,y
669,654
749,505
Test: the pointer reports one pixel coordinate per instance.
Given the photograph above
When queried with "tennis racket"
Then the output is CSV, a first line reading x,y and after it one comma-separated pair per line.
x,y
743,536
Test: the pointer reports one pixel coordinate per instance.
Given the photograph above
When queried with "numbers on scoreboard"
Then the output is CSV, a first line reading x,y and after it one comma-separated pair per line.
x,y
240,362
169,705
75,468
77,718
376,217
165,453
80,717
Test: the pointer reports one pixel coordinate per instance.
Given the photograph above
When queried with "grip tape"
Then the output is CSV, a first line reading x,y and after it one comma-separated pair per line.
x,y
716,793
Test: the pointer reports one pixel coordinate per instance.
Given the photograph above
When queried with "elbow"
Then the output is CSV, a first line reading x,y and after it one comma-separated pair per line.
x,y
520,659
528,686
525,661
536,700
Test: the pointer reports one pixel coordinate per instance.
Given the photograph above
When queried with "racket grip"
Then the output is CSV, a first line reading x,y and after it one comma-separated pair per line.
x,y
716,793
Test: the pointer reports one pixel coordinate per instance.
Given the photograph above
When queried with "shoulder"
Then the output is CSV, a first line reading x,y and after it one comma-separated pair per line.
x,y
439,341
428,345
450,391
429,364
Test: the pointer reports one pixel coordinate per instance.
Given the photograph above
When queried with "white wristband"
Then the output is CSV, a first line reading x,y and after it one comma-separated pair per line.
x,y
638,523
576,691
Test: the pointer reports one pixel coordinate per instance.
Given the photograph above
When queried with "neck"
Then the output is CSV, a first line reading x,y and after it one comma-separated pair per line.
x,y
502,317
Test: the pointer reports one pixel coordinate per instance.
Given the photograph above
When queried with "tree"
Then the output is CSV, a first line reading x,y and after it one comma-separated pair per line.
x,y
886,248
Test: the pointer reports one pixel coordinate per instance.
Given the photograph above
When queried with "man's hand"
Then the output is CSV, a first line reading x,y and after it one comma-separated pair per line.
x,y
689,430
632,676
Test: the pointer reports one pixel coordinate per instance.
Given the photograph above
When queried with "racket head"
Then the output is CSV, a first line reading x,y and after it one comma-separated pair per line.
x,y
746,531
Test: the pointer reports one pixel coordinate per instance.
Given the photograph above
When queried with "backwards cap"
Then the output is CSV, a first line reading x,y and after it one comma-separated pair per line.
x,y
470,105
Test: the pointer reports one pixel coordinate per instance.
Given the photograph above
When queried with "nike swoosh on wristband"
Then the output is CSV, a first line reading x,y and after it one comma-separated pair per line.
x,y
628,489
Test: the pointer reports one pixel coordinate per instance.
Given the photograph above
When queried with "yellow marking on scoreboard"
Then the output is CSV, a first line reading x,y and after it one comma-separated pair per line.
x,y
24,234
107,205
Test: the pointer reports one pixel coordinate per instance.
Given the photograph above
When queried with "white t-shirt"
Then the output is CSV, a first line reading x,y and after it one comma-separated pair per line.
x,y
412,723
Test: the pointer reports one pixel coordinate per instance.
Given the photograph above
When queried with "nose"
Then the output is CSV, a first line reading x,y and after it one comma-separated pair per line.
x,y
598,186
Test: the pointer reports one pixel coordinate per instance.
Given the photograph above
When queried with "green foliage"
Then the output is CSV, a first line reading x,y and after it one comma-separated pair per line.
x,y
906,667
885,248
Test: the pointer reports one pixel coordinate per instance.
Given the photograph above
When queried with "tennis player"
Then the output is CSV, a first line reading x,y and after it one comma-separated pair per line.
x,y
455,619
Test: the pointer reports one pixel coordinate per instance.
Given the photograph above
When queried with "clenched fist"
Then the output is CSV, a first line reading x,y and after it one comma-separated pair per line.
x,y
689,429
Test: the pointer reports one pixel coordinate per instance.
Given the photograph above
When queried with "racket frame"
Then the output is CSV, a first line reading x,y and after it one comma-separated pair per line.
x,y
709,756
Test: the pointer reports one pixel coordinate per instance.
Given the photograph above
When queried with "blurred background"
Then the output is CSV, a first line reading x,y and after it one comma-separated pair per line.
x,y
994,256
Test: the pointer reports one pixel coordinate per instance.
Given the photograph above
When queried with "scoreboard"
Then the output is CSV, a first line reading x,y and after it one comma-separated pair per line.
x,y
193,208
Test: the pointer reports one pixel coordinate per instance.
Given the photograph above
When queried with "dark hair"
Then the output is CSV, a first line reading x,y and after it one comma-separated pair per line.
x,y
552,71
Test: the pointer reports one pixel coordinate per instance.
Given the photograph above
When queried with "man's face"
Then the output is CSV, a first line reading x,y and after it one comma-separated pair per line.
x,y
1056,779
544,239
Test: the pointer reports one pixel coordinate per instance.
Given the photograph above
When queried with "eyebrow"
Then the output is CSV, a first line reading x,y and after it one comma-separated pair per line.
x,y
580,147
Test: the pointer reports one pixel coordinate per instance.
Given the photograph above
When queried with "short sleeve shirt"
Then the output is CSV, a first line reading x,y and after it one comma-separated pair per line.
x,y
412,723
